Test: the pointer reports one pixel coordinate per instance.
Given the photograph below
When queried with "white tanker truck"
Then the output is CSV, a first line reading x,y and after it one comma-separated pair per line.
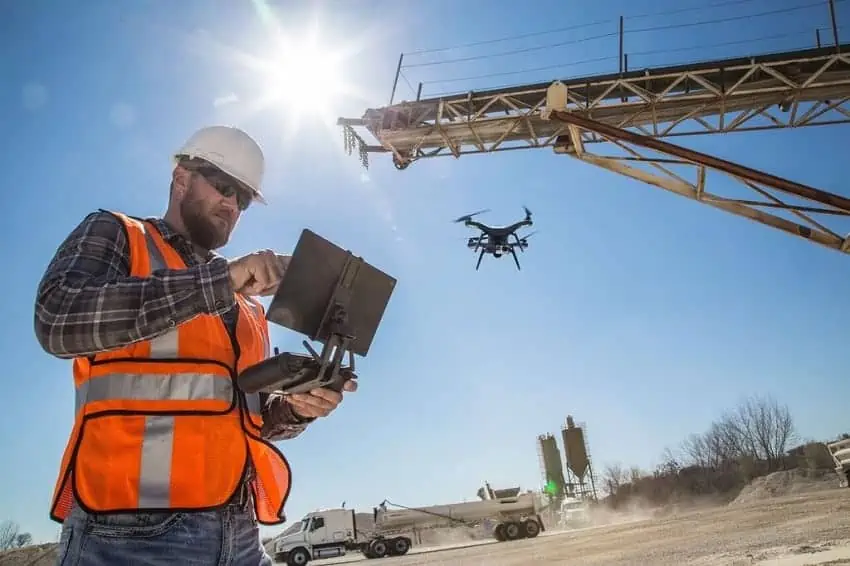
x,y
840,452
333,532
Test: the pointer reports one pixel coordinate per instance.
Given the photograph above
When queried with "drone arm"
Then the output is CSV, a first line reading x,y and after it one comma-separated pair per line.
x,y
517,225
477,225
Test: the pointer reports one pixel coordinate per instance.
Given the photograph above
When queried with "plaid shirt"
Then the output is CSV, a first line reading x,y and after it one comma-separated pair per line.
x,y
88,303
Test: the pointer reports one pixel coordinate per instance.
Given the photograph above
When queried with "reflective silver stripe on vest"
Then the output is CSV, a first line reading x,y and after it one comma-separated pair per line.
x,y
165,345
155,468
252,400
155,387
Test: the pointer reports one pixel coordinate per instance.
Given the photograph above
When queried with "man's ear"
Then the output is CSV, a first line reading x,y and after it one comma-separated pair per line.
x,y
180,181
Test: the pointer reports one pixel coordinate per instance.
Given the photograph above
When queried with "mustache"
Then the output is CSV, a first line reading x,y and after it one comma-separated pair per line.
x,y
228,215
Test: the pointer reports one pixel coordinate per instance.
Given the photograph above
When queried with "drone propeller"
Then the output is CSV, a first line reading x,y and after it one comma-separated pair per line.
x,y
527,212
467,217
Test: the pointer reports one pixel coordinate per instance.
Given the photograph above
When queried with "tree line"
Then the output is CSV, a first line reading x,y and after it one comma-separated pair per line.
x,y
751,440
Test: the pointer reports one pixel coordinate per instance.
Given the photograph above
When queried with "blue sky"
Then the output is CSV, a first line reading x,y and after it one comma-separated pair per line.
x,y
642,314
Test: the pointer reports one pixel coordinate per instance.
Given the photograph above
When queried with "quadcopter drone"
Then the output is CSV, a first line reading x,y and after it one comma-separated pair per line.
x,y
497,240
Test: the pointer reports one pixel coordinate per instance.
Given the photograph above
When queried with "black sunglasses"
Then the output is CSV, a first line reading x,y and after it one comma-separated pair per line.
x,y
226,185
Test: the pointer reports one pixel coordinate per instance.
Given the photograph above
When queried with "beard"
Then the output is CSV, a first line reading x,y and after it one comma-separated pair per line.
x,y
203,228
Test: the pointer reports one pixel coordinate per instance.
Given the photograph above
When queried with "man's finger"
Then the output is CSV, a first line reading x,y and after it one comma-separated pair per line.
x,y
270,289
282,263
350,385
255,288
269,271
314,400
308,410
328,395
305,411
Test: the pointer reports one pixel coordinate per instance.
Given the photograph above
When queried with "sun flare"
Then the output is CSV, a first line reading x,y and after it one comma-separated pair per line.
x,y
304,77
299,79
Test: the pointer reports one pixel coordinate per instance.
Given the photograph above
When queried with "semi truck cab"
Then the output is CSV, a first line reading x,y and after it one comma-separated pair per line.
x,y
330,534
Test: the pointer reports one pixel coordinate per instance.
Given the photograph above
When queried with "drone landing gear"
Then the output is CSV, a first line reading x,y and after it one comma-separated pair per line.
x,y
516,260
480,257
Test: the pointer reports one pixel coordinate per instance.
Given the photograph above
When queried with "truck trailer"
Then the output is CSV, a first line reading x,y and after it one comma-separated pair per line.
x,y
332,533
840,452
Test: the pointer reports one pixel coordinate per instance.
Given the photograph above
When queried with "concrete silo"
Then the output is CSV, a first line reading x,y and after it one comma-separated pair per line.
x,y
551,468
579,481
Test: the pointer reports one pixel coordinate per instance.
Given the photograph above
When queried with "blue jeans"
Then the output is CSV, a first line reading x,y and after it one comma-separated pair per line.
x,y
227,537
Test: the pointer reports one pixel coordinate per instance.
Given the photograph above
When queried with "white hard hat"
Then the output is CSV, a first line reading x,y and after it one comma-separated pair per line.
x,y
231,150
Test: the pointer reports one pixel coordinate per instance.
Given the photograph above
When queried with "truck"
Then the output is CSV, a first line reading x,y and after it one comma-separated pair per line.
x,y
573,513
840,452
331,533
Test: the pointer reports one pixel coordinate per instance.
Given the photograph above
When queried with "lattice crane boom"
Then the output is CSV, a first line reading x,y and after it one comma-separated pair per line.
x,y
759,183
633,112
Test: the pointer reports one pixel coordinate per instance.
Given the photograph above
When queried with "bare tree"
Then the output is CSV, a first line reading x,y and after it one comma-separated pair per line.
x,y
670,463
613,477
8,534
12,537
764,429
696,449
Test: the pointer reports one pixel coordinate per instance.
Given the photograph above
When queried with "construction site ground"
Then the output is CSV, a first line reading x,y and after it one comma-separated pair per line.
x,y
780,520
795,530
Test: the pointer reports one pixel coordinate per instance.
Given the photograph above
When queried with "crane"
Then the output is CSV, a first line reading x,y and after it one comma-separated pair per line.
x,y
638,112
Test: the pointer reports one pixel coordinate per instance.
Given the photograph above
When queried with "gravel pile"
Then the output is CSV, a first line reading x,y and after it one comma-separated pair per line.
x,y
786,482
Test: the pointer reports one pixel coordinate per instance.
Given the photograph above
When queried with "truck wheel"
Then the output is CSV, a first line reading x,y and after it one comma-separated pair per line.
x,y
378,548
530,528
499,532
298,557
512,530
399,546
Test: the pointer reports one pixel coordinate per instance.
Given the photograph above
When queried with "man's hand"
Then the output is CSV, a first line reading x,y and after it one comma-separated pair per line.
x,y
258,273
318,402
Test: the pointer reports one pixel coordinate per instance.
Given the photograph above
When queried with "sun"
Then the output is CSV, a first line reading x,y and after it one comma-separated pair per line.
x,y
298,78
304,78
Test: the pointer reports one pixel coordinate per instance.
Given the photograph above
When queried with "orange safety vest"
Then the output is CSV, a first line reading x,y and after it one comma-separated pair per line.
x,y
160,424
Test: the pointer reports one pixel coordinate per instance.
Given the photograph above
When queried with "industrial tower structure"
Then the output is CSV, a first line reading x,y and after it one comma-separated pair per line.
x,y
634,111
551,468
579,481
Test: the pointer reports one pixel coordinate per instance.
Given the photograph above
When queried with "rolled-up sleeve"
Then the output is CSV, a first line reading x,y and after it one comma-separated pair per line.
x,y
279,421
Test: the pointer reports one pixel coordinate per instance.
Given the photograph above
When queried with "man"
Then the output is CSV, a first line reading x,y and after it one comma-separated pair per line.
x,y
167,462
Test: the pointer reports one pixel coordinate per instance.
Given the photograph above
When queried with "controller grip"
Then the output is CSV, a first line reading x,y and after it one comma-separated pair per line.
x,y
272,373
288,373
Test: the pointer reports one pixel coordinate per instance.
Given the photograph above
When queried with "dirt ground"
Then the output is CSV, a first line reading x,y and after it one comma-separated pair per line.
x,y
802,529
796,530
